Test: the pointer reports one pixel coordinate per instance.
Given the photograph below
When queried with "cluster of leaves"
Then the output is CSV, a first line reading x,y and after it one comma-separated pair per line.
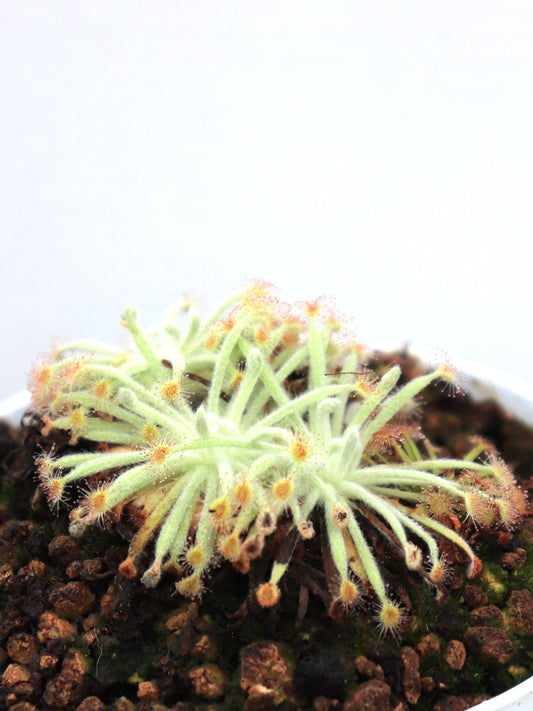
x,y
216,432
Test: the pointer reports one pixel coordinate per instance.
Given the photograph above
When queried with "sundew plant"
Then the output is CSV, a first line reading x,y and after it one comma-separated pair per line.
x,y
262,419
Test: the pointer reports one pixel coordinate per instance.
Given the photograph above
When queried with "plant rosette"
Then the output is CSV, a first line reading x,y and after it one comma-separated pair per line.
x,y
224,400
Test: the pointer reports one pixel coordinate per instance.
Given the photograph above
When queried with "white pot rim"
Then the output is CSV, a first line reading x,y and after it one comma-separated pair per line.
x,y
482,383
14,404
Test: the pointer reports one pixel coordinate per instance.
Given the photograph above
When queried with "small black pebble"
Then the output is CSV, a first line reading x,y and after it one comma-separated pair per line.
x,y
320,675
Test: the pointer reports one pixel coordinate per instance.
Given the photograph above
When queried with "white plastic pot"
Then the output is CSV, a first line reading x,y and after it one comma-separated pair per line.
x,y
482,383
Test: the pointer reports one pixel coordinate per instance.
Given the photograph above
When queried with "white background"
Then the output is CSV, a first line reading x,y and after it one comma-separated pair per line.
x,y
380,152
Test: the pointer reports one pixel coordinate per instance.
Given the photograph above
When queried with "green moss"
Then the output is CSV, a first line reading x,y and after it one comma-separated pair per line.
x,y
495,583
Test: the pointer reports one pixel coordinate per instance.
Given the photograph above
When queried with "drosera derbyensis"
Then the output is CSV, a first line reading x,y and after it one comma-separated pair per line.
x,y
201,425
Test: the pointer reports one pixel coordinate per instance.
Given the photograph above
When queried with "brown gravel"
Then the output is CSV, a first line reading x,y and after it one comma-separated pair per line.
x,y
455,654
205,648
521,609
491,643
52,627
475,596
373,695
21,646
410,675
262,663
209,682
427,684
47,664
91,703
429,644
148,691
453,703
63,550
16,682
369,669
124,704
514,559
484,615
72,599
401,706
323,703
262,699
93,569
68,686
114,605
